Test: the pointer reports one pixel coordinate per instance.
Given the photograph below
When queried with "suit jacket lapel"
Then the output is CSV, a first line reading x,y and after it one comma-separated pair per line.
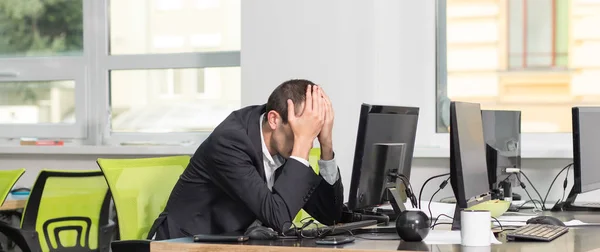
x,y
254,133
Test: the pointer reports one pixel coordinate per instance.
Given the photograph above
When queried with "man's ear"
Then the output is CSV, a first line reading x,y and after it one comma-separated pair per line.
x,y
273,119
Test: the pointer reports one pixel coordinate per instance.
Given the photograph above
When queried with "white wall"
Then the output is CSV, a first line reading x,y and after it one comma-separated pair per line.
x,y
359,51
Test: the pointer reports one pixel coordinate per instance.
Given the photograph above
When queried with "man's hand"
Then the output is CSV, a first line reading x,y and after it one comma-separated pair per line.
x,y
307,126
326,135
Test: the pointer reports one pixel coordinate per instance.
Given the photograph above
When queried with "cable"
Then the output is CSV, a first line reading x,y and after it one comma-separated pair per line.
x,y
527,191
429,204
441,223
425,183
442,185
534,189
529,201
554,180
565,182
438,218
499,224
407,188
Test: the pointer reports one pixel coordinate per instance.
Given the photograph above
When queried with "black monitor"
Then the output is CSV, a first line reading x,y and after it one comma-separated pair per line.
x,y
586,160
468,167
384,144
502,135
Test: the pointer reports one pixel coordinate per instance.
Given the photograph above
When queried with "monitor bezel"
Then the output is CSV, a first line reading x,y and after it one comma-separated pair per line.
x,y
365,110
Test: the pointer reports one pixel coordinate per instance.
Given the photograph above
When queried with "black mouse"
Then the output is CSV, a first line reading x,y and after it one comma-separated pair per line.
x,y
21,189
549,220
261,233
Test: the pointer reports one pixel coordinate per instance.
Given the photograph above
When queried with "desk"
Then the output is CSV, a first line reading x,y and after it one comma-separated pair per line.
x,y
13,204
581,239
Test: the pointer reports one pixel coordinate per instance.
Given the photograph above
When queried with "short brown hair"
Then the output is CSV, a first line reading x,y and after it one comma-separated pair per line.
x,y
292,89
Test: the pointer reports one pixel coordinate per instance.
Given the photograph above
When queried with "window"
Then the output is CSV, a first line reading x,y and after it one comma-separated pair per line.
x,y
172,68
48,28
182,110
538,34
118,71
42,65
527,55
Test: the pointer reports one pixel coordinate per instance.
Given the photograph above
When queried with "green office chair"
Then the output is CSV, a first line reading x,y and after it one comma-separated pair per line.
x,y
66,211
140,189
8,178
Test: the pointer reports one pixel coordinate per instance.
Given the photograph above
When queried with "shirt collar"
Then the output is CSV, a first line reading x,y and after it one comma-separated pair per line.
x,y
265,150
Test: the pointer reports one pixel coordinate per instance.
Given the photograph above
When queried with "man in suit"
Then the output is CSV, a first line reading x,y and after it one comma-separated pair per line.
x,y
254,167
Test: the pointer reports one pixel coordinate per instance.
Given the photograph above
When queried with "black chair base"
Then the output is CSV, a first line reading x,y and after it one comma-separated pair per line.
x,y
131,246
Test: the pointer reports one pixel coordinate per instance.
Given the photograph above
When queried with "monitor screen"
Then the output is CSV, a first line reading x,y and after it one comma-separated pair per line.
x,y
586,142
468,160
379,125
502,135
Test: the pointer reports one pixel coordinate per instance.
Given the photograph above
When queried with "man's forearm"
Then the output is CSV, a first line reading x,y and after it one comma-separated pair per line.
x,y
326,151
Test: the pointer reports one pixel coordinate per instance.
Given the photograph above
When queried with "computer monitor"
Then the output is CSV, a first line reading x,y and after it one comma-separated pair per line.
x,y
586,160
468,167
384,144
502,135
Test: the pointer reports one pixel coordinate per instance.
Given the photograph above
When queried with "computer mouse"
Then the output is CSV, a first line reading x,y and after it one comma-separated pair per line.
x,y
261,233
549,220
23,191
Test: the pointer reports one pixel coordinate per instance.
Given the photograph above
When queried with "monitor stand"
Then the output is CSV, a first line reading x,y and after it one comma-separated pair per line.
x,y
381,217
569,204
456,217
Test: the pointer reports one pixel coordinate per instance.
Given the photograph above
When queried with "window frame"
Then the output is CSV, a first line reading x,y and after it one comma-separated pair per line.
x,y
525,26
107,62
53,68
433,144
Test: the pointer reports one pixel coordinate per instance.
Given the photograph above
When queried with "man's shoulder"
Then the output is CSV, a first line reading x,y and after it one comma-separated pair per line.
x,y
239,120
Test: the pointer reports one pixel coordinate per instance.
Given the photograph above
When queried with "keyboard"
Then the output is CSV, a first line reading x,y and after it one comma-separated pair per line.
x,y
587,204
338,229
537,232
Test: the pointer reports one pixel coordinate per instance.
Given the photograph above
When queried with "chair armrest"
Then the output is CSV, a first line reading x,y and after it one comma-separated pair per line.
x,y
131,246
26,240
105,236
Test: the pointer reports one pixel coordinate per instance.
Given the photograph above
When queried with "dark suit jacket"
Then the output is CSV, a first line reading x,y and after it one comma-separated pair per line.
x,y
224,190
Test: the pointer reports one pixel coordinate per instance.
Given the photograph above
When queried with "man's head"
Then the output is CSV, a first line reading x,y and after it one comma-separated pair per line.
x,y
276,119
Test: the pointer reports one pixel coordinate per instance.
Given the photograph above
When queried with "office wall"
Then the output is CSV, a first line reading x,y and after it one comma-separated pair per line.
x,y
359,51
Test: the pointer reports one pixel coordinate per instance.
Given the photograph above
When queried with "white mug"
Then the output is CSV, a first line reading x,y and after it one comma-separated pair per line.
x,y
475,228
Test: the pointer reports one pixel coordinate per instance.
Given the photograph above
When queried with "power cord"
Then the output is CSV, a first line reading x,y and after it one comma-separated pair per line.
x,y
407,188
499,224
529,201
425,183
534,189
527,191
565,182
435,223
442,185
554,180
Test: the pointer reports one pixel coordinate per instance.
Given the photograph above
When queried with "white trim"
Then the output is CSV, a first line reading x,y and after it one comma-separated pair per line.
x,y
176,60
194,139
99,150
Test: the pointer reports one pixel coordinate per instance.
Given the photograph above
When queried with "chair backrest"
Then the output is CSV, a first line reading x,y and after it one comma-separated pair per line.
x,y
67,209
8,178
140,189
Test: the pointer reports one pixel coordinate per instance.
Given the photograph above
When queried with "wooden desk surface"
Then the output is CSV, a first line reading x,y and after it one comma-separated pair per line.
x,y
13,204
581,239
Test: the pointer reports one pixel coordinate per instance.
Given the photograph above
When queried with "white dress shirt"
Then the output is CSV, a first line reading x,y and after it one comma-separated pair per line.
x,y
327,168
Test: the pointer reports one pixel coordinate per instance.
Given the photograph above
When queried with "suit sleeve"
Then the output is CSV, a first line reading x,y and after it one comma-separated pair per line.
x,y
326,203
234,171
